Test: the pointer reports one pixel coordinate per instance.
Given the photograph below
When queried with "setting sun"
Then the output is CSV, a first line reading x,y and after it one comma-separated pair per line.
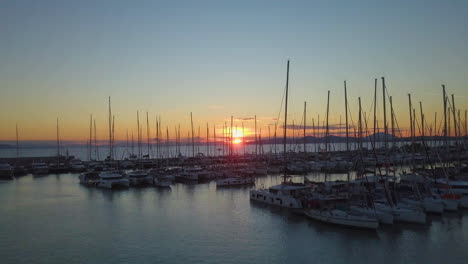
x,y
236,141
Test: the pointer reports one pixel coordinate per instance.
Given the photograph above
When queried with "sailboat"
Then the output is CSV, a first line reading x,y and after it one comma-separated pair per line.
x,y
287,194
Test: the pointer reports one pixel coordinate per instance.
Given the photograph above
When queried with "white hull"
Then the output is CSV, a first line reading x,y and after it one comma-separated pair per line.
x,y
339,217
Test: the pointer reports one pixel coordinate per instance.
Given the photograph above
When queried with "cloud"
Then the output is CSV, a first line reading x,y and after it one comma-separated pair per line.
x,y
244,118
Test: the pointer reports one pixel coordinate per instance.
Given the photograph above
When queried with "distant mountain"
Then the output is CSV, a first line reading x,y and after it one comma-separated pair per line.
x,y
6,146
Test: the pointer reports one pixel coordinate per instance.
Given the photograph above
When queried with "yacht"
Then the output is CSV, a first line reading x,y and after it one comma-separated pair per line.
x,y
139,177
39,168
6,171
235,181
112,179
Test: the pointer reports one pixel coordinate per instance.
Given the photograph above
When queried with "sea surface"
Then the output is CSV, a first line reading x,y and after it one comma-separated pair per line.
x,y
164,151
54,219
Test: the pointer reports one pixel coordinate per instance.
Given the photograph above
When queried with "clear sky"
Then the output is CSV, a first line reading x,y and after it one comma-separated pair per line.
x,y
220,58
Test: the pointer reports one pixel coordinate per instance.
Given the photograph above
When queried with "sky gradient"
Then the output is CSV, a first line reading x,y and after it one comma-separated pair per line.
x,y
62,59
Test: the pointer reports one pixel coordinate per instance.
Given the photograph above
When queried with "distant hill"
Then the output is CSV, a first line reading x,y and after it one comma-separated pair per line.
x,y
6,146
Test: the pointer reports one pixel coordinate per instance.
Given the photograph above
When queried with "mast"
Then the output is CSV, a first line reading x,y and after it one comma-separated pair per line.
x,y
285,124
392,116
147,134
214,140
138,136
360,125
411,129
193,143
207,143
230,143
113,133
375,110
327,130
110,130
423,134
346,117
305,118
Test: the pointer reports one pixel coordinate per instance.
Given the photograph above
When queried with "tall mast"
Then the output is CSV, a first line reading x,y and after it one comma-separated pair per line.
x,y
193,143
346,117
138,136
113,134
147,134
285,123
207,142
411,128
305,118
110,130
423,134
327,130
360,125
392,114
375,110
157,138
214,140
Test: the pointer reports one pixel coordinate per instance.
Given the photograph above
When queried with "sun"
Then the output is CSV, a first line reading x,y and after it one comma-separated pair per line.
x,y
237,141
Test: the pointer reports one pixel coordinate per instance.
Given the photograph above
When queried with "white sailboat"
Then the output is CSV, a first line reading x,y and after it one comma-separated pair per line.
x,y
286,194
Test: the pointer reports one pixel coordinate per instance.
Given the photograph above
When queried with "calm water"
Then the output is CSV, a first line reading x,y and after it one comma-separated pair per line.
x,y
53,219
120,152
